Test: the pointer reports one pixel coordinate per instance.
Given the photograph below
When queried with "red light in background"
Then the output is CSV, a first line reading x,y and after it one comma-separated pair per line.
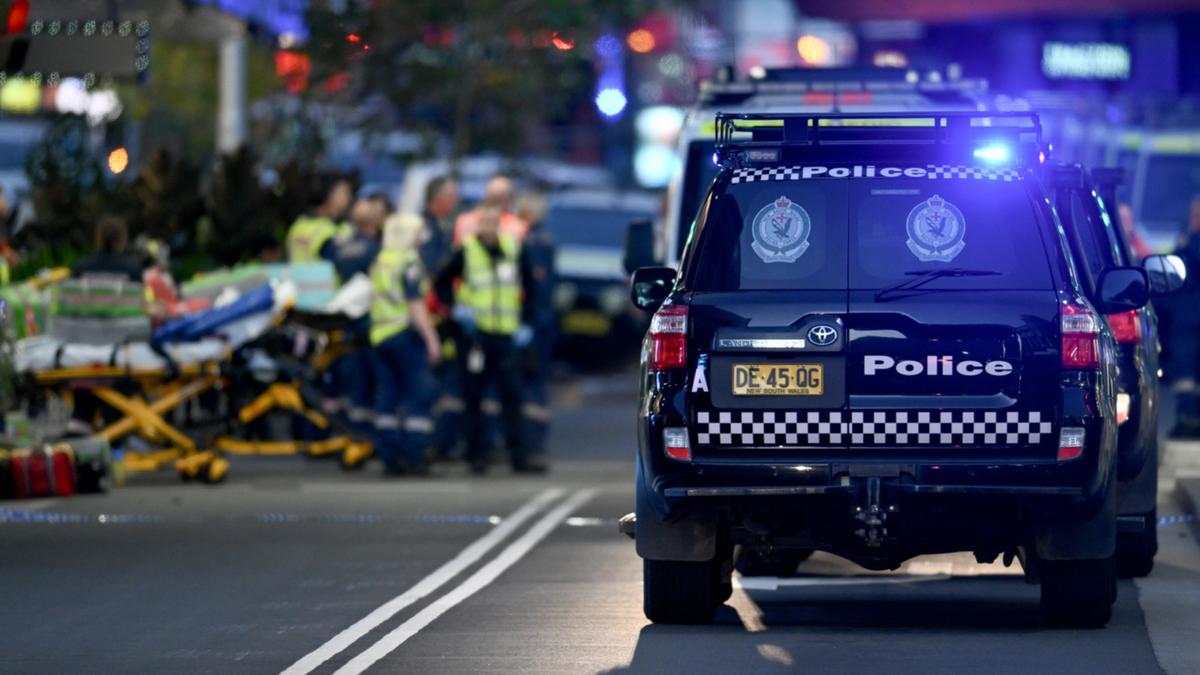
x,y
18,16
562,43
293,68
353,38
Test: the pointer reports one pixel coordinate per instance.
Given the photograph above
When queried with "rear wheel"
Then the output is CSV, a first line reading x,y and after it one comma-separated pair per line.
x,y
678,591
777,563
1136,550
1077,593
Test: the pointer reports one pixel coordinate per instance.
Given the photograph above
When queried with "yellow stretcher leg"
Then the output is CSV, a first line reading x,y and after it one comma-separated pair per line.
x,y
356,454
149,461
284,396
149,417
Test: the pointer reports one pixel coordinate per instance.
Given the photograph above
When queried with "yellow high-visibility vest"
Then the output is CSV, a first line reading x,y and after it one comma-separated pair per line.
x,y
492,290
389,307
306,237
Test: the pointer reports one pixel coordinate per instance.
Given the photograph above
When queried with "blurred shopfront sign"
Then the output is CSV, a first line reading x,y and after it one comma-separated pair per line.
x,y
1085,61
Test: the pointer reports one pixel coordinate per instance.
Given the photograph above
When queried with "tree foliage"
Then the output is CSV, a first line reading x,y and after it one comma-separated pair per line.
x,y
482,72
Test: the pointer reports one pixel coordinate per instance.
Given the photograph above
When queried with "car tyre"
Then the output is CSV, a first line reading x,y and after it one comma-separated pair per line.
x,y
681,591
1077,593
1136,550
778,563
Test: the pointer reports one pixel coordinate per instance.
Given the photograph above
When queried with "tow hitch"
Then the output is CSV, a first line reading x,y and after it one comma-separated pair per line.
x,y
873,515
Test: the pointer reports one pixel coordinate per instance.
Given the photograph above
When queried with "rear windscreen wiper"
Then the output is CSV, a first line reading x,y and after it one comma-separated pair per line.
x,y
922,277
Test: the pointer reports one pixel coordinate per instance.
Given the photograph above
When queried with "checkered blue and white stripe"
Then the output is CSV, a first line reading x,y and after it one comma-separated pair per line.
x,y
753,175
871,428
974,172
932,172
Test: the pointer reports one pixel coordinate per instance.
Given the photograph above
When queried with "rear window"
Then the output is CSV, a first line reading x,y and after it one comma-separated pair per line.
x,y
871,233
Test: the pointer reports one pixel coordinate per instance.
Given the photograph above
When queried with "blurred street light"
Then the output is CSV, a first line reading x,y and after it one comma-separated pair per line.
x,y
641,41
118,160
610,101
814,51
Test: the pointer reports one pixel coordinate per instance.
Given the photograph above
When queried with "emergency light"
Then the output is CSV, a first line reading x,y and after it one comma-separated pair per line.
x,y
994,154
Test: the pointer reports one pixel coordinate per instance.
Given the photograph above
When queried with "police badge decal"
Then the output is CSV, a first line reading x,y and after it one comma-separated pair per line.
x,y
781,231
935,230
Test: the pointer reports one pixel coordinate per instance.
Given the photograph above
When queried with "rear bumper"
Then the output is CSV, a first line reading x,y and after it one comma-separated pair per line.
x,y
776,491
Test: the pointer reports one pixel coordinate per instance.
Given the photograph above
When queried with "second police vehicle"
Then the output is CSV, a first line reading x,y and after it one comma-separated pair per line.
x,y
879,343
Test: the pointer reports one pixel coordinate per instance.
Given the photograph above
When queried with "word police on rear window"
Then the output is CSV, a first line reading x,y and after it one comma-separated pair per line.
x,y
931,171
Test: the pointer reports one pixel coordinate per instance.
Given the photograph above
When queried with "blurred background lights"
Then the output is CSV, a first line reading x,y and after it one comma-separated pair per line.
x,y
814,51
610,101
659,124
654,165
640,40
118,160
890,58
607,46
562,42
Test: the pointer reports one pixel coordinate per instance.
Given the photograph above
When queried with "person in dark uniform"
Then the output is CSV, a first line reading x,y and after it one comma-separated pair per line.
x,y
354,256
441,203
489,310
538,251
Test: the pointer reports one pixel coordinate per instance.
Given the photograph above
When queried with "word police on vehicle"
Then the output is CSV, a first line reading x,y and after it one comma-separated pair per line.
x,y
935,365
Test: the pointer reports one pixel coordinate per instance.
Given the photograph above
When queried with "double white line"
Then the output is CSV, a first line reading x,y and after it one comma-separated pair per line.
x,y
471,585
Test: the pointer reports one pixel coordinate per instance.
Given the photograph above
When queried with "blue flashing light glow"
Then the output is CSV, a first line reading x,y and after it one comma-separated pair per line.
x,y
716,159
610,101
607,46
993,153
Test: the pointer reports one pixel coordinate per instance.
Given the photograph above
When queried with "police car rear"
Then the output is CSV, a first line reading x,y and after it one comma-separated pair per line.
x,y
877,346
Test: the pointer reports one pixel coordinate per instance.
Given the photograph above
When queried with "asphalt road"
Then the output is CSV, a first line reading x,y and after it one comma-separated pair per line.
x,y
294,564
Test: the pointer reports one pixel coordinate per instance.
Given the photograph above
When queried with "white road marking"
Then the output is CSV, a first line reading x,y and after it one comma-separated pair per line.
x,y
473,584
467,557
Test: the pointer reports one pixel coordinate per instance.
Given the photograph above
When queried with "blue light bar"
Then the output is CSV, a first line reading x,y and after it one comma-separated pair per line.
x,y
993,153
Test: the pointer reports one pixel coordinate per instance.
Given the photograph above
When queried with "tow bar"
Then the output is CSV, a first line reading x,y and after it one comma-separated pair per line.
x,y
873,515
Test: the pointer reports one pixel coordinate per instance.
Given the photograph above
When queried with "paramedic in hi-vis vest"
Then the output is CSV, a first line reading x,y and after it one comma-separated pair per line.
x,y
487,305
404,347
311,237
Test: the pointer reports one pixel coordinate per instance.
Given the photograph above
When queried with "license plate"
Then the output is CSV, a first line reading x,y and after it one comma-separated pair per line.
x,y
583,322
768,379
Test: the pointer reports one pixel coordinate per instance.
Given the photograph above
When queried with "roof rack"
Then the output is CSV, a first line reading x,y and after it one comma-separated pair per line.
x,y
757,130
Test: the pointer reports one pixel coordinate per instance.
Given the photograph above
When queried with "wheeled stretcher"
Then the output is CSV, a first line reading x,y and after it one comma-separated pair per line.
x,y
192,389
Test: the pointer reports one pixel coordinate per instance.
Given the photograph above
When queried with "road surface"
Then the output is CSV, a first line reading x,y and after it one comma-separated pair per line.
x,y
295,566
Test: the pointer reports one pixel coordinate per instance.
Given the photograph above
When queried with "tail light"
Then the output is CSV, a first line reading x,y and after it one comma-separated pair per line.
x,y
1080,338
1126,327
676,443
1070,442
668,336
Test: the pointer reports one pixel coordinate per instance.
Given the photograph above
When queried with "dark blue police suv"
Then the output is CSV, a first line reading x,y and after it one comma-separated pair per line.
x,y
878,345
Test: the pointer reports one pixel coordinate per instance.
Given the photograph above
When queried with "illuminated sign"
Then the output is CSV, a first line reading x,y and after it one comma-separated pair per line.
x,y
1085,61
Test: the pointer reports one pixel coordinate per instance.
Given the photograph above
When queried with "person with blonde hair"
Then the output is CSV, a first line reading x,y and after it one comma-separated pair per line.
x,y
404,348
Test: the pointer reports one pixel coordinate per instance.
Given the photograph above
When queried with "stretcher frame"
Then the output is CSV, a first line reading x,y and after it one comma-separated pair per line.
x,y
160,392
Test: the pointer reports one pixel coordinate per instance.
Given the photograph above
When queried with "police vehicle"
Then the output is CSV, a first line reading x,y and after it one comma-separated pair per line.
x,y
1086,205
878,344
810,90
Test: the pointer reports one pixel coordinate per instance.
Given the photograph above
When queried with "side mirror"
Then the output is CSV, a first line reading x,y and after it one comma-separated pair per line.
x,y
1122,289
639,245
1167,273
651,287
